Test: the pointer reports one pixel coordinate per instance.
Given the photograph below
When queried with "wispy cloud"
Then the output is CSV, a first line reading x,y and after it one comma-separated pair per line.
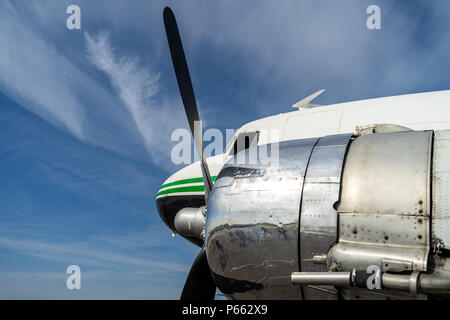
x,y
44,79
27,76
52,80
99,284
89,254
138,88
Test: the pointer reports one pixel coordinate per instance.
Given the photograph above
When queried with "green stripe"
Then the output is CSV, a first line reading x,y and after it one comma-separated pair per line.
x,y
185,181
182,189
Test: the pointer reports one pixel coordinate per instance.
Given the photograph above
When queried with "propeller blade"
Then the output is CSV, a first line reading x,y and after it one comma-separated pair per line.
x,y
186,91
199,283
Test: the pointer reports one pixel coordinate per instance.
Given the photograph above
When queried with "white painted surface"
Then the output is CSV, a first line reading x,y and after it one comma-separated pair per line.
x,y
420,111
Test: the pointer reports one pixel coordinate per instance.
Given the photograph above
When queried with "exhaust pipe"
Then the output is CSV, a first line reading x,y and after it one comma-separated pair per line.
x,y
414,283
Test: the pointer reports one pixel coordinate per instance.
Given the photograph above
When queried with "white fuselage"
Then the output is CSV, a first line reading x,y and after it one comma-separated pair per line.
x,y
421,111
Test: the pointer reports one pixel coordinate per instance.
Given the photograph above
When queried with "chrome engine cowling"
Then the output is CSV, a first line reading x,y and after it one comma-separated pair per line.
x,y
330,204
253,229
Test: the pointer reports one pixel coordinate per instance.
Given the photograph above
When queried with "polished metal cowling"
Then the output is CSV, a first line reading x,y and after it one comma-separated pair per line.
x,y
336,204
253,221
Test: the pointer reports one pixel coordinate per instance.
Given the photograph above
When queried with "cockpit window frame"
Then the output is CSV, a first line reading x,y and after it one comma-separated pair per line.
x,y
232,146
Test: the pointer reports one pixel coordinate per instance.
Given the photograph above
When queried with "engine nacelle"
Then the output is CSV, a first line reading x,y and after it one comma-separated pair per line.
x,y
331,204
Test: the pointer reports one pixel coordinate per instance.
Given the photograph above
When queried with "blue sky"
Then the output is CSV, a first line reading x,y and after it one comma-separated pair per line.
x,y
86,117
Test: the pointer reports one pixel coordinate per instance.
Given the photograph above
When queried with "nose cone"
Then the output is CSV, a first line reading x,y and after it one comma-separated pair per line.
x,y
185,189
168,207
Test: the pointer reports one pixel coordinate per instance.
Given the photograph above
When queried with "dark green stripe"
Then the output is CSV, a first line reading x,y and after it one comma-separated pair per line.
x,y
182,189
185,181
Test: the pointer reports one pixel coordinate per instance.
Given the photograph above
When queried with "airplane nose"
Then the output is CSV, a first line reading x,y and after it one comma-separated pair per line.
x,y
169,204
183,189
176,195
164,212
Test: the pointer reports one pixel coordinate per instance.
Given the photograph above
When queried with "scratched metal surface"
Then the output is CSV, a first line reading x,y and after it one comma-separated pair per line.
x,y
252,228
318,217
384,210
441,187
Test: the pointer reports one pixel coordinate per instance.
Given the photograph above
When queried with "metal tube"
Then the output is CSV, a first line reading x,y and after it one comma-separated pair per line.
x,y
423,283
426,283
430,283
395,281
321,278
